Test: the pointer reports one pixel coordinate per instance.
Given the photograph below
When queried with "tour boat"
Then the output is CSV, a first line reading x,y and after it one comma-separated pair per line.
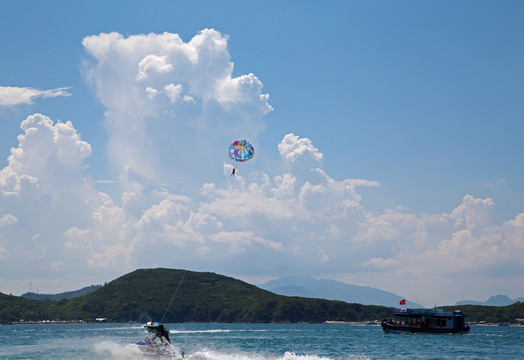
x,y
426,321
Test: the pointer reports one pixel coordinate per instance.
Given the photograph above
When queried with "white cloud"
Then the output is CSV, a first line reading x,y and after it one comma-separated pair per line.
x,y
151,93
77,238
466,245
42,139
49,155
172,109
494,183
212,225
177,100
8,219
293,147
6,222
57,266
305,217
382,263
175,93
11,96
313,220
244,89
152,63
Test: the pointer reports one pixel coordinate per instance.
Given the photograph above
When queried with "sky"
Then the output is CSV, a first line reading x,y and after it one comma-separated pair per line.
x,y
387,135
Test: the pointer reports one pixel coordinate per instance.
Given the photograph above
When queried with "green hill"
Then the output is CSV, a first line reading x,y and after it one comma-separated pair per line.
x,y
491,314
202,297
14,308
145,295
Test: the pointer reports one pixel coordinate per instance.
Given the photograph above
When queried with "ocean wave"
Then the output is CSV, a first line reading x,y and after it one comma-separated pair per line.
x,y
118,351
288,355
113,350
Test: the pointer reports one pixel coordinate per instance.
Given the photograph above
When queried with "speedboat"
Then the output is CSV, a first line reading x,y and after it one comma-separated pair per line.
x,y
426,321
152,348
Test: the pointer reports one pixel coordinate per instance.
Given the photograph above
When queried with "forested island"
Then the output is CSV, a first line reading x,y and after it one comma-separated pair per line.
x,y
156,294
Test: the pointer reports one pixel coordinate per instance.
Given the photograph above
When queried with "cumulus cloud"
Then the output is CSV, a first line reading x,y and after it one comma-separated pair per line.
x,y
11,95
152,63
74,227
316,223
49,155
172,108
178,100
43,186
466,245
293,148
6,222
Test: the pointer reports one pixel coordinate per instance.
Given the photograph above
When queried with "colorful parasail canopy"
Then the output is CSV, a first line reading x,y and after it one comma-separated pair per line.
x,y
241,150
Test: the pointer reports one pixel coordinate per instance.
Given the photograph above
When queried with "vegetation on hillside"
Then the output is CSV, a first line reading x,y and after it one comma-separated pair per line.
x,y
491,314
145,295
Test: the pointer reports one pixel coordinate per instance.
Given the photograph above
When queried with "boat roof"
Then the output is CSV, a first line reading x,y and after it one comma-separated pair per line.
x,y
427,312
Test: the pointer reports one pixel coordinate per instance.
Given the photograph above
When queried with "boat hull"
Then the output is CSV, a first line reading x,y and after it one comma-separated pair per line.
x,y
392,328
151,349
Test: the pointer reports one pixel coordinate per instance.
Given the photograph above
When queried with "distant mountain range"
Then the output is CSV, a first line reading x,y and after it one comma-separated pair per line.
x,y
334,290
64,295
310,287
498,300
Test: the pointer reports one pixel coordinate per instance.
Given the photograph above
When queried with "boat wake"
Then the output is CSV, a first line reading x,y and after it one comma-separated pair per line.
x,y
214,355
213,331
114,350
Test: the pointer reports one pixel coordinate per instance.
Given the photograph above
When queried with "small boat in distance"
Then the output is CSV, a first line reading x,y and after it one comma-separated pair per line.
x,y
426,321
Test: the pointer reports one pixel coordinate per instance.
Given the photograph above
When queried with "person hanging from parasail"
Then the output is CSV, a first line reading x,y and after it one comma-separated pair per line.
x,y
240,151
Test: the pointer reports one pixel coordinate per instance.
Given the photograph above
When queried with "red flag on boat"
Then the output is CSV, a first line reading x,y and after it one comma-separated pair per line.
x,y
402,302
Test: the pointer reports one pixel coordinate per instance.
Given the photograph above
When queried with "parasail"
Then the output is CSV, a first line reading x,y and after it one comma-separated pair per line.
x,y
241,150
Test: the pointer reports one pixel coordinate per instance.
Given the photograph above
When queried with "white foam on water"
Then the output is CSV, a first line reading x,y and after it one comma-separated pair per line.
x,y
213,331
118,351
113,350
199,331
292,356
214,355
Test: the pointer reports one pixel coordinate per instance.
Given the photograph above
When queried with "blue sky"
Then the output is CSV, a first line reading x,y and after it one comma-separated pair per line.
x,y
387,136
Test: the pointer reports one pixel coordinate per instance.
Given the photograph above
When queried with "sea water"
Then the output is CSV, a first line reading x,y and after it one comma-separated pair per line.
x,y
258,342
